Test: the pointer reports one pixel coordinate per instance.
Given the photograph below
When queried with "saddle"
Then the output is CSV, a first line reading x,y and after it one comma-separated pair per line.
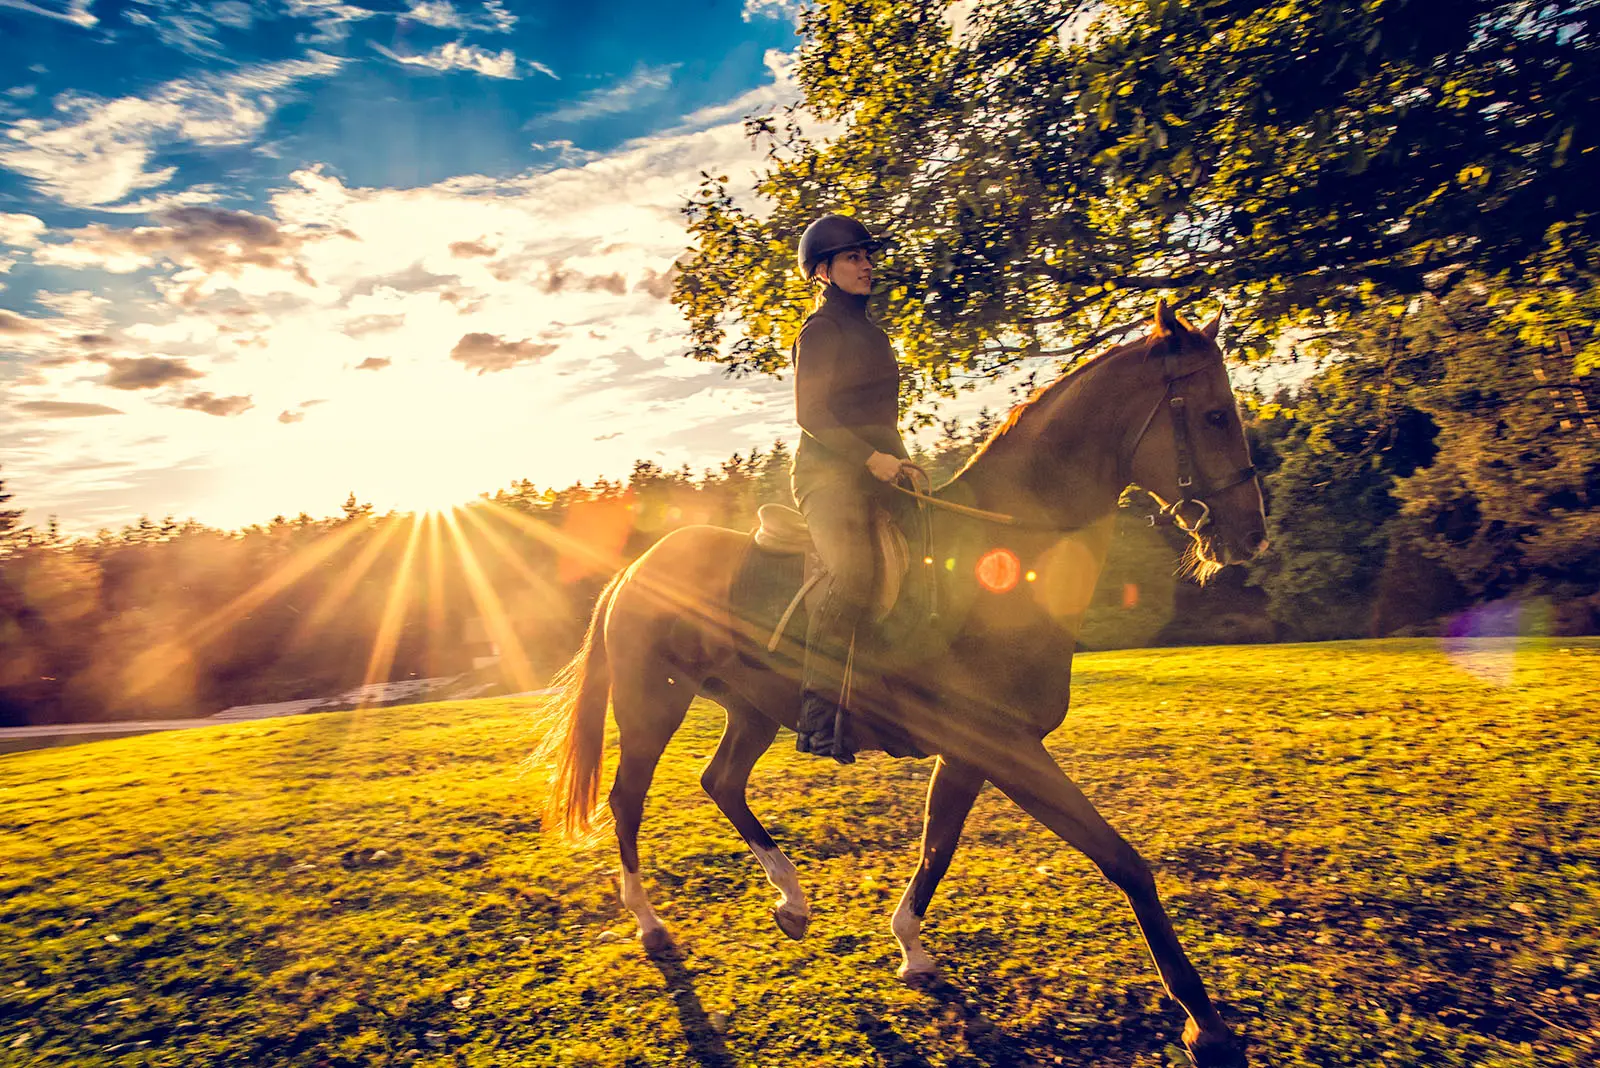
x,y
783,530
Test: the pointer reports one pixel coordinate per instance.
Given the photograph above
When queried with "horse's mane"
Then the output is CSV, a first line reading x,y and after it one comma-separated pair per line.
x,y
1042,395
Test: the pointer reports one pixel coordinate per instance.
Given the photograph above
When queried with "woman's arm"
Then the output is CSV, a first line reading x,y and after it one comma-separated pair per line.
x,y
817,362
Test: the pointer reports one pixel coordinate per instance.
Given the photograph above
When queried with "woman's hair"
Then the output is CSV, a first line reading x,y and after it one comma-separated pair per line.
x,y
819,283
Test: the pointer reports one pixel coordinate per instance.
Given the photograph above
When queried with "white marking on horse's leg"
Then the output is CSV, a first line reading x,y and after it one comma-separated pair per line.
x,y
785,879
916,965
793,912
651,930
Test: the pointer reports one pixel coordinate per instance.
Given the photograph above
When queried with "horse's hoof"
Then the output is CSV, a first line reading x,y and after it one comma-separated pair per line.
x,y
791,923
658,943
1218,1048
918,978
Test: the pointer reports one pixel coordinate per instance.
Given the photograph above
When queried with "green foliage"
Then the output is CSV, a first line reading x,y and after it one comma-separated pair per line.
x,y
1046,172
1513,501
1375,853
1331,496
1437,460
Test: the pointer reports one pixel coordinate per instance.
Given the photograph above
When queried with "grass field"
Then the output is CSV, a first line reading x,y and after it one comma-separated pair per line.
x,y
1376,853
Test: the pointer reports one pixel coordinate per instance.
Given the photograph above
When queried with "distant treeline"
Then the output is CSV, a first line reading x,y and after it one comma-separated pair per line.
x,y
1443,482
170,618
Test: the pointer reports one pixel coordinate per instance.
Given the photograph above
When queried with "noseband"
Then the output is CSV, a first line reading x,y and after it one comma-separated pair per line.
x,y
1189,493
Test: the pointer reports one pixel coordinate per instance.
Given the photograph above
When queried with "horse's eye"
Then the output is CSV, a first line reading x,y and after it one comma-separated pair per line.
x,y
1218,418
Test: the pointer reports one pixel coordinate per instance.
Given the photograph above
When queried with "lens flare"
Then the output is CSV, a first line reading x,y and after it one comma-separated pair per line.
x,y
999,570
1483,640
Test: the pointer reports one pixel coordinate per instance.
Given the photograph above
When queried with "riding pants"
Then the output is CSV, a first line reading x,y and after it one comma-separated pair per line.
x,y
838,513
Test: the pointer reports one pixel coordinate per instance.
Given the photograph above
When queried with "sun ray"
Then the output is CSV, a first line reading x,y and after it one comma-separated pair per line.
x,y
333,600
436,591
686,599
508,553
495,617
602,561
150,667
387,639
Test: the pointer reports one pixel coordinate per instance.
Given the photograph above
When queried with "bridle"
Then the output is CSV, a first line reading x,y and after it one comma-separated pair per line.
x,y
1188,492
1169,515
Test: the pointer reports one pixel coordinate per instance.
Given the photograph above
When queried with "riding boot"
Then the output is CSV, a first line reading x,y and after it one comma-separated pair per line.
x,y
822,726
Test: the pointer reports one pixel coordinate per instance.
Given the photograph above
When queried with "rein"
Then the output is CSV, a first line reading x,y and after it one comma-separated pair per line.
x,y
968,510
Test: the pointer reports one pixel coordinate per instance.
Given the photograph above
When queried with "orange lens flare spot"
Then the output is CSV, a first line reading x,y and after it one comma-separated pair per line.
x,y
999,570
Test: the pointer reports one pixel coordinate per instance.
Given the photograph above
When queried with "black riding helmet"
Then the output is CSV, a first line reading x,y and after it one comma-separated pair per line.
x,y
831,235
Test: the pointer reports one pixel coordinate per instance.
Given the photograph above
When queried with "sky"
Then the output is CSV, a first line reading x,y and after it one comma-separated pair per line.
x,y
259,254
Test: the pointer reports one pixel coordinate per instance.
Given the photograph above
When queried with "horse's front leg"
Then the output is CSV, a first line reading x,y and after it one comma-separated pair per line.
x,y
1031,778
951,791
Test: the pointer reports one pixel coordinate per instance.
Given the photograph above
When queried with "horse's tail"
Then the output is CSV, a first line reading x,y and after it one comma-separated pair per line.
x,y
575,738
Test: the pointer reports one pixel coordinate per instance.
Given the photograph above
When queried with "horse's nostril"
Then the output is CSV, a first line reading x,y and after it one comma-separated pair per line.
x,y
1257,542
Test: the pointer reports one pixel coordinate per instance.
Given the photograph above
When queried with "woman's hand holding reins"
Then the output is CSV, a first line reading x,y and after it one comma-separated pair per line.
x,y
884,467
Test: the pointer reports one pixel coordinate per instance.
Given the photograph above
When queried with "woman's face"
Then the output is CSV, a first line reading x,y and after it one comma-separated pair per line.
x,y
850,270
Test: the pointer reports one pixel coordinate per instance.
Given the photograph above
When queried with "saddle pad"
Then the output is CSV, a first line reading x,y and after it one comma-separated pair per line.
x,y
761,592
783,529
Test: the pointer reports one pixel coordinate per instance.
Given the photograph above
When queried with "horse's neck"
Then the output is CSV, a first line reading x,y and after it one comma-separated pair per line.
x,y
1060,464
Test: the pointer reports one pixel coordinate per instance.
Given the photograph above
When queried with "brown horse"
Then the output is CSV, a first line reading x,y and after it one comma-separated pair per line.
x,y
1159,413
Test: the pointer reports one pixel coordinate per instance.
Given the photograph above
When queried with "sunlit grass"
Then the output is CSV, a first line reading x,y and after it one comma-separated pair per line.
x,y
1376,853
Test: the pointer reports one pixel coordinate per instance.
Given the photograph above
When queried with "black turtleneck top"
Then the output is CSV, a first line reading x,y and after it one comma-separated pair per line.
x,y
846,386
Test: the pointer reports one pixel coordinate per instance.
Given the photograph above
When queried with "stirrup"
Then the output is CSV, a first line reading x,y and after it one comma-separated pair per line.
x,y
829,739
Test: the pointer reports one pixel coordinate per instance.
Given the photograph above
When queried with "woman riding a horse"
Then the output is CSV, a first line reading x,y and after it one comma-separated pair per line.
x,y
1156,410
847,397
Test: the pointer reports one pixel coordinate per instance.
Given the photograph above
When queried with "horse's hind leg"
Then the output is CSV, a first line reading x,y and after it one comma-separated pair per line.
x,y
748,735
951,791
649,706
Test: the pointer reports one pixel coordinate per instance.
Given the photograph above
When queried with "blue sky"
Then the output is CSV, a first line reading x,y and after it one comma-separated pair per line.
x,y
258,253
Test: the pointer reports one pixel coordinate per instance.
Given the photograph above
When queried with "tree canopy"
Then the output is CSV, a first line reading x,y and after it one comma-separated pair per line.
x,y
1049,168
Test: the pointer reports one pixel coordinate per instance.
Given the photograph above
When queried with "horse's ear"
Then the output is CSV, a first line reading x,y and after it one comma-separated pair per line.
x,y
1167,321
1211,328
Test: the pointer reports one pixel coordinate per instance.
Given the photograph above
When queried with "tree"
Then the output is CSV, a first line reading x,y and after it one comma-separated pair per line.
x,y
1336,447
773,483
1047,172
354,510
10,518
1512,504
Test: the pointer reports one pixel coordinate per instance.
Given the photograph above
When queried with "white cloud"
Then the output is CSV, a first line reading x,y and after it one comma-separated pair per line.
x,y
646,83
774,9
456,56
210,243
564,152
193,25
75,12
102,150
162,202
783,90
179,29
20,230
552,282
331,18
443,15
59,340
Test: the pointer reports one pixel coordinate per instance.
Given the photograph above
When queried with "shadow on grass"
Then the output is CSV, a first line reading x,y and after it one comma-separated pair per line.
x,y
892,1050
986,1043
706,1045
